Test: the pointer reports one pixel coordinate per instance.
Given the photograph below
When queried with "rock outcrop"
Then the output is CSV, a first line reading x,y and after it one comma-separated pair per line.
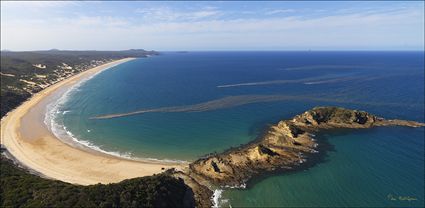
x,y
285,146
200,192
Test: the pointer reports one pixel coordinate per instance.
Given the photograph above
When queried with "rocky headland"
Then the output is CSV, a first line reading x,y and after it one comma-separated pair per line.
x,y
284,146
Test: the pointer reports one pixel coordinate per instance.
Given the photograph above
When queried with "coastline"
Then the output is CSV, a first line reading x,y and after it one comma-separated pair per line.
x,y
29,141
286,146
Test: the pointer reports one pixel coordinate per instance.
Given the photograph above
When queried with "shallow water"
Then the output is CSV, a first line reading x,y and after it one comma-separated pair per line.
x,y
366,167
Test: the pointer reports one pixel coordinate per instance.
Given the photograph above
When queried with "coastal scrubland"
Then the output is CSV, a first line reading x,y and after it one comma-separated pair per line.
x,y
19,188
285,146
26,73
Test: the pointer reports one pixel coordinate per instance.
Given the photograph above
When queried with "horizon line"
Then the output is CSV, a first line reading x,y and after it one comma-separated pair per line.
x,y
228,50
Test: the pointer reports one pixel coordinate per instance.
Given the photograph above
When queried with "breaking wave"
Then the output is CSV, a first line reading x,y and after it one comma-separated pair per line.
x,y
216,198
54,121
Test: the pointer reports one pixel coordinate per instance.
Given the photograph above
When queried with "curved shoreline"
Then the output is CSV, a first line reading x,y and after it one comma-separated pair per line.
x,y
28,140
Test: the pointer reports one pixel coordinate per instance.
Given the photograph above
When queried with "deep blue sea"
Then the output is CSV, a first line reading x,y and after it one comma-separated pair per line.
x,y
205,102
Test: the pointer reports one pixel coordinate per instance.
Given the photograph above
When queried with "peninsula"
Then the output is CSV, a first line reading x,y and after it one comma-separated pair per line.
x,y
285,146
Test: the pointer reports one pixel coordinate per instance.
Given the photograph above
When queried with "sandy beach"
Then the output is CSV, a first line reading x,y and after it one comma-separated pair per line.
x,y
29,141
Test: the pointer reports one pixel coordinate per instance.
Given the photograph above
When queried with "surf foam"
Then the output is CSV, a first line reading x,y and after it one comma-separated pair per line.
x,y
52,120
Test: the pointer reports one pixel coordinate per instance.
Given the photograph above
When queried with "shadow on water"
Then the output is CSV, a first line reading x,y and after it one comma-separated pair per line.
x,y
259,127
313,159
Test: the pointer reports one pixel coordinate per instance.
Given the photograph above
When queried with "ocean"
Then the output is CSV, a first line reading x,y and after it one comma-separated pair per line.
x,y
194,103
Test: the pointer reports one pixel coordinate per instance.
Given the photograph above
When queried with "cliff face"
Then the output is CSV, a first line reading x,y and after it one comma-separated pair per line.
x,y
285,145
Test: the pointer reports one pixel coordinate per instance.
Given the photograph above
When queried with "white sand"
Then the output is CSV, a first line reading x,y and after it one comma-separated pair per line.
x,y
27,138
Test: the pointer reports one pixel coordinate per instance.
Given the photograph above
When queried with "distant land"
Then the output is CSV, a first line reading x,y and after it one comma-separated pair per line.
x,y
27,72
288,145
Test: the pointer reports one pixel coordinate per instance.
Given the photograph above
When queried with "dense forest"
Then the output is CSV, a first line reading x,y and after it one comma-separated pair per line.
x,y
18,188
25,73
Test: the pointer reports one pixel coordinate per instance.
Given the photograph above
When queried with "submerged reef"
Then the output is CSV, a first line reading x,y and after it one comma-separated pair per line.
x,y
285,146
239,100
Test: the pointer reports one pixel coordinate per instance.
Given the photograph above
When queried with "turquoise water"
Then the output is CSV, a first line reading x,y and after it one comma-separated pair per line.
x,y
361,168
365,169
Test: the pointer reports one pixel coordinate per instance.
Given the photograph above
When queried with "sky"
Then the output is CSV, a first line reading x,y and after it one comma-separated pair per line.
x,y
216,25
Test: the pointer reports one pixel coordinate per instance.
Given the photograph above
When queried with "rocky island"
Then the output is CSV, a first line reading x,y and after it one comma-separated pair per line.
x,y
285,146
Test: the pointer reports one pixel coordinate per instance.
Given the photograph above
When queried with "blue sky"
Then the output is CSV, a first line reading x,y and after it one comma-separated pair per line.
x,y
213,25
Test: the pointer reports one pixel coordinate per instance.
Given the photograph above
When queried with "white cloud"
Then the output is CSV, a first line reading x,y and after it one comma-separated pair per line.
x,y
25,5
279,11
171,30
168,14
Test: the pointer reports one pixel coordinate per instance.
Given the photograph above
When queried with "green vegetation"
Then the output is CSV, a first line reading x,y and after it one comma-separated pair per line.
x,y
339,115
18,188
25,73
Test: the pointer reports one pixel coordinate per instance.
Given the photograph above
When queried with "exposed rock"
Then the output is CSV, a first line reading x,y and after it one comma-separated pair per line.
x,y
264,150
284,146
215,167
200,192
